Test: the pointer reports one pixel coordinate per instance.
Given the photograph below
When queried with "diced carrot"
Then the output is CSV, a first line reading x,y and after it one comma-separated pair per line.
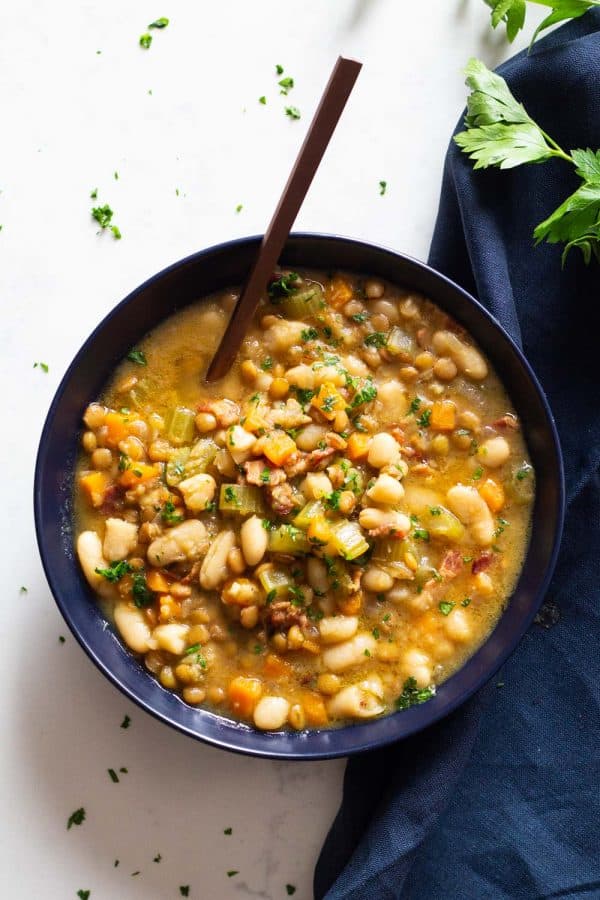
x,y
94,484
139,473
244,694
443,415
358,446
352,605
253,419
116,423
493,494
276,667
319,531
314,708
170,608
338,292
278,446
157,582
328,401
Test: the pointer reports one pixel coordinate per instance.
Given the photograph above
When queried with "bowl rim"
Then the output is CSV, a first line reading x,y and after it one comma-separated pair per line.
x,y
414,719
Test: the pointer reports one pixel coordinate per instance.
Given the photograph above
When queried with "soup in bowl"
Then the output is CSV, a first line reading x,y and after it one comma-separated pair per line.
x,y
325,540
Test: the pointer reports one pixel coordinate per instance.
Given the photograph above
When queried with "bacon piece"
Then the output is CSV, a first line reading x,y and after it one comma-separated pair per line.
x,y
281,615
281,499
226,412
113,500
483,562
317,459
390,530
296,464
451,564
257,469
509,420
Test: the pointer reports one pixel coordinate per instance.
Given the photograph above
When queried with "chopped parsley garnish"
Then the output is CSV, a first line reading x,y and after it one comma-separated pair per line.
x,y
76,818
142,595
23,589
83,895
270,596
228,831
421,534
296,594
415,405
292,112
376,633
424,419
286,84
283,286
412,695
387,617
466,601
502,526
258,649
239,208
309,334
327,405
184,890
279,69
61,639
268,525
367,652
159,23
145,41
193,649
124,462
169,513
210,505
231,496
262,100
523,472
435,511
157,858
113,775
376,339
446,607
382,188
115,571
333,500
367,393
94,194
304,395
232,872
267,363
291,889
126,722
137,356
103,216
265,475
360,317
43,366
477,473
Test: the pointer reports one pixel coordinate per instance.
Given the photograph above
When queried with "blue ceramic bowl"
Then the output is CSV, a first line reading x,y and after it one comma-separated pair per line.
x,y
176,287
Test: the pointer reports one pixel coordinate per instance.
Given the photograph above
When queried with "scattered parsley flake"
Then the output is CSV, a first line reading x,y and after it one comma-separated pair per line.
x,y
43,366
184,890
309,334
145,41
291,889
169,513
382,188
157,858
279,69
270,596
23,589
424,419
159,23
283,286
113,775
228,831
83,895
76,818
466,601
292,112
412,695
137,356
477,473
61,639
376,339
262,100
286,84
94,194
446,607
360,317
232,872
126,722
239,208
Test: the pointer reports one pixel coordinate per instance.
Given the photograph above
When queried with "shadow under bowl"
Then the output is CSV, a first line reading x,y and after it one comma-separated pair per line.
x,y
178,286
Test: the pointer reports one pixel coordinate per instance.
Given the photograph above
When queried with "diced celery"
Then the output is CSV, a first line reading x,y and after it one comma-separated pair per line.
x,y
275,579
348,539
400,343
302,304
201,456
312,509
442,524
140,394
180,428
390,554
288,539
176,467
241,499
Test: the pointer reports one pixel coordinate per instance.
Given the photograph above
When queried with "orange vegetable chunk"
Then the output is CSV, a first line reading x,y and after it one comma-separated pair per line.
x,y
244,693
314,708
493,494
358,446
94,485
139,473
443,415
278,447
338,292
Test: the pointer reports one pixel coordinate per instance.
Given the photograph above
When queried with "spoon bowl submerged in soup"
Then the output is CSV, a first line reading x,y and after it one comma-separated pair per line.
x,y
326,534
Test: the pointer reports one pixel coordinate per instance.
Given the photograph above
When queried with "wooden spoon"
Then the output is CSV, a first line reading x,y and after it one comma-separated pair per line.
x,y
333,101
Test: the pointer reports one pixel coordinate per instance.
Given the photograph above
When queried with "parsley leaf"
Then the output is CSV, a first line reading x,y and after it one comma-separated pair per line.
x,y
43,366
103,216
513,12
145,41
228,831
76,818
232,872
291,889
382,188
424,419
184,890
169,513
83,895
412,695
446,607
283,286
576,222
159,23
137,356
309,334
286,84
292,112
115,571
376,339
142,595
126,722
262,100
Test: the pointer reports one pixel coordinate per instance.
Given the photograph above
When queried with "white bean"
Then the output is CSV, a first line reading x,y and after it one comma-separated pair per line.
x,y
383,450
186,541
467,358
120,538
214,569
417,665
354,702
457,625
355,366
374,289
494,452
301,376
254,540
271,713
225,464
334,629
392,397
349,653
198,491
316,575
310,437
133,627
89,551
172,637
283,334
472,510
376,580
316,485
239,443
386,490
371,518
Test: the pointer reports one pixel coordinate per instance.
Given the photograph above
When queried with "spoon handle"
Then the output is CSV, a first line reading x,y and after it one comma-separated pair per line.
x,y
333,101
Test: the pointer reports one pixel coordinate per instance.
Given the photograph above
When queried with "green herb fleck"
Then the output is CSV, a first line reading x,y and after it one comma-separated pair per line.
x,y
477,473
412,695
421,534
376,339
446,607
270,596
232,872
83,895
286,84
360,317
367,652
424,419
43,366
283,286
113,775
376,633
157,858
126,722
142,595
239,208
435,510
23,589
228,831
61,639
184,890
76,818
263,100
382,188
145,41
94,194
309,334
415,405
279,69
292,112
333,500
169,513
291,889
231,496
159,23
466,601
115,571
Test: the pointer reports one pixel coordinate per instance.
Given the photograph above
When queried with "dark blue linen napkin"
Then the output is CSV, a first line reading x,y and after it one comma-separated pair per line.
x,y
502,798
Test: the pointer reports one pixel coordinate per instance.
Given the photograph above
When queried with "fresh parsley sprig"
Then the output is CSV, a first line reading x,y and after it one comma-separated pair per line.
x,y
499,132
512,13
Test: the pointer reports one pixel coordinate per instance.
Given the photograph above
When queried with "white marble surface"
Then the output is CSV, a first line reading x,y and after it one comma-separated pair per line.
x,y
71,117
